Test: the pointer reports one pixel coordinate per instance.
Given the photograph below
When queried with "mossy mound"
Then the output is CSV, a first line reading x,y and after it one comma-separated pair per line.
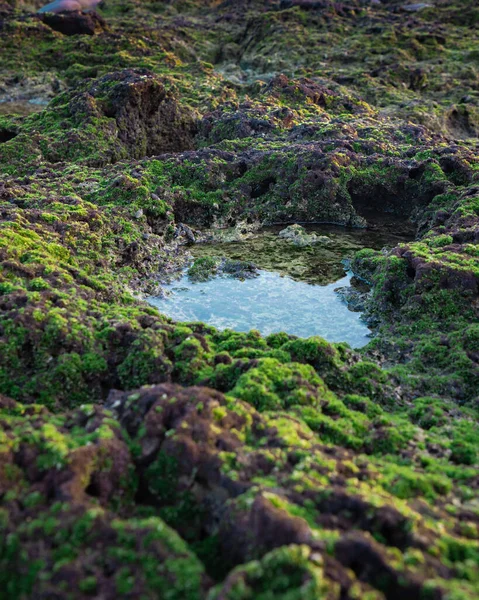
x,y
127,114
145,458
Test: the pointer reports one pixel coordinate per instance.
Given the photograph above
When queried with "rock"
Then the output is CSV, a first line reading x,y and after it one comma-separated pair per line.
x,y
463,120
193,442
187,232
355,300
418,79
207,267
239,269
204,268
303,565
240,232
362,554
125,114
74,22
242,122
150,120
319,93
288,467
32,91
298,236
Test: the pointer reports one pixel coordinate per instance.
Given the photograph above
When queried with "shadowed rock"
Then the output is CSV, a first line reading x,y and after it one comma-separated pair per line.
x,y
74,22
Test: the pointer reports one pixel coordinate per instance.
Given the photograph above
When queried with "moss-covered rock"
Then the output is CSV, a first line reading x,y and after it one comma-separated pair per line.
x,y
303,469
125,114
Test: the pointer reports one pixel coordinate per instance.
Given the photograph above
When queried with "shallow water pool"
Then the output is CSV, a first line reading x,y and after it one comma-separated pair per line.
x,y
294,291
269,303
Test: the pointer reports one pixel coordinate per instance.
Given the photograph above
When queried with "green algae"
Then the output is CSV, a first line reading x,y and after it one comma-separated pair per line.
x,y
318,264
289,572
381,445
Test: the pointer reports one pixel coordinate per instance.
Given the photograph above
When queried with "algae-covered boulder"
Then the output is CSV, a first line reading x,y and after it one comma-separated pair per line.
x,y
298,236
207,267
60,478
149,118
289,573
69,552
125,114
266,486
143,458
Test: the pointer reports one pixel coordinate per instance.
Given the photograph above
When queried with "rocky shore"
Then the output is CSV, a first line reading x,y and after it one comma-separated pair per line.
x,y
143,458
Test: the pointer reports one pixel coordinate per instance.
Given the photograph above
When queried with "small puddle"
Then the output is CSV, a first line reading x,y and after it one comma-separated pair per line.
x,y
269,303
294,289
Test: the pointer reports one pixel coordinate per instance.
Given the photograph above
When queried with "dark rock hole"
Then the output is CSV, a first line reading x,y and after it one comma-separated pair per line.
x,y
6,135
262,187
93,490
410,272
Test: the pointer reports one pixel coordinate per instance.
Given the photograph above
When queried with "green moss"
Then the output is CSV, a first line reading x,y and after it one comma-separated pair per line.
x,y
463,453
387,453
203,268
289,572
272,385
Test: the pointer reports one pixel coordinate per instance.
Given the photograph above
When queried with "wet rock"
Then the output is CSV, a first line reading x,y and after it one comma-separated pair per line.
x,y
207,267
355,299
30,93
239,269
186,232
204,268
240,232
298,236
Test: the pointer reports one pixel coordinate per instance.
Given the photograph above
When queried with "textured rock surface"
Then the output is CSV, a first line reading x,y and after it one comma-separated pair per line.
x,y
248,467
125,114
75,23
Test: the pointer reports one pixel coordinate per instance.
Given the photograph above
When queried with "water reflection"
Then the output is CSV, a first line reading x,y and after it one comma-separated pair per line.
x,y
269,303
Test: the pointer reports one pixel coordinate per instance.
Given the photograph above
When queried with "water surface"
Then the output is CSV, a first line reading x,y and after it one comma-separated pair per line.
x,y
294,291
269,303
315,264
